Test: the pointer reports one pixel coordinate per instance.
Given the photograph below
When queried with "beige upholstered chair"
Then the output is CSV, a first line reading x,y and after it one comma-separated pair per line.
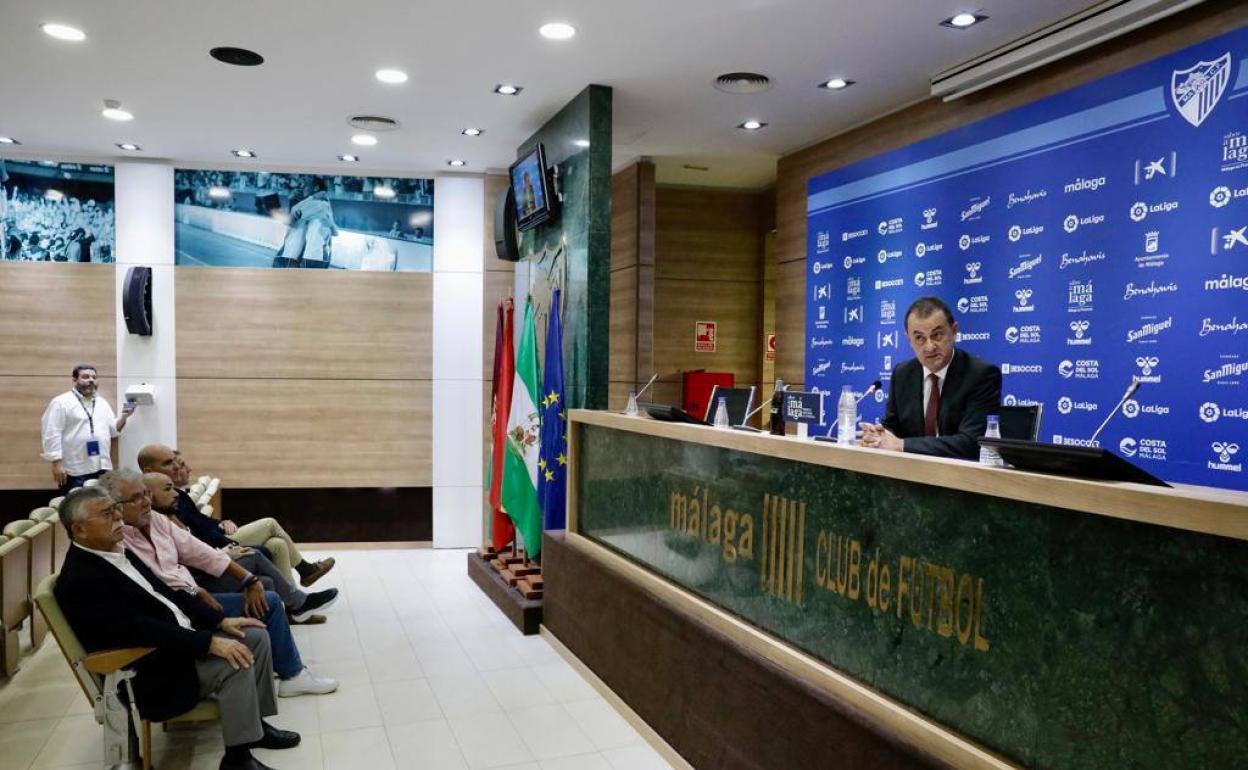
x,y
16,528
14,599
41,548
92,672
42,514
56,503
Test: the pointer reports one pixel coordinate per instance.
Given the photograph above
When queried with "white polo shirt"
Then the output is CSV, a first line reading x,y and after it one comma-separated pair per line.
x,y
68,425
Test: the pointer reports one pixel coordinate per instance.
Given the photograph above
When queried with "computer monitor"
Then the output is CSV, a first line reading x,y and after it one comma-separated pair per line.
x,y
739,400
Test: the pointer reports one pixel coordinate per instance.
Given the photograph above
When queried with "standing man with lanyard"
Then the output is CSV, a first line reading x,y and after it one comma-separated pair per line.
x,y
78,428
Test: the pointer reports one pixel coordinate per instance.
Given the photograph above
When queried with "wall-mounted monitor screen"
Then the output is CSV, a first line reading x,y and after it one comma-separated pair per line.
x,y
530,189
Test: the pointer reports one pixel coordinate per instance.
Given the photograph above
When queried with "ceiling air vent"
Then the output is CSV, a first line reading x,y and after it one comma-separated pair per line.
x,y
742,83
373,123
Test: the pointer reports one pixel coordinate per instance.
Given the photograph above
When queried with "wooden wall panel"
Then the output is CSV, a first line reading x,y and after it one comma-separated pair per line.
x,y
308,433
54,315
708,234
623,363
248,323
933,117
25,398
733,305
791,321
498,284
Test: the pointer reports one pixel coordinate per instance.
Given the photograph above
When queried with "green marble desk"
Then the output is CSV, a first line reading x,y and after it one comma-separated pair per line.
x,y
1022,620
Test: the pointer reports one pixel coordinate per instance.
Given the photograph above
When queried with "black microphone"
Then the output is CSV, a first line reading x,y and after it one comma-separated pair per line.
x,y
783,387
1134,386
871,389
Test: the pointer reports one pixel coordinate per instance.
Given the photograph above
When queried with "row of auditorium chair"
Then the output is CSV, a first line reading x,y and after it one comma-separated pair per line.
x,y
33,548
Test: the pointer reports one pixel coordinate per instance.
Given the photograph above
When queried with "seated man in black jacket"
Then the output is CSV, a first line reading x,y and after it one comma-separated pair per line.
x,y
112,600
158,458
939,401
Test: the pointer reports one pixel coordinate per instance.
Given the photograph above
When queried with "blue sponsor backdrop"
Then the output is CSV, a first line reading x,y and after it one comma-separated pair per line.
x,y
1092,238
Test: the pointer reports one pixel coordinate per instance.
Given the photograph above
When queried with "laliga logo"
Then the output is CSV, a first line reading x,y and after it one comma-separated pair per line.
x,y
1225,450
1010,400
1023,296
1220,196
1197,90
1079,328
1015,234
1065,405
1131,408
1070,223
1146,364
849,262
1210,412
1139,211
1127,446
964,242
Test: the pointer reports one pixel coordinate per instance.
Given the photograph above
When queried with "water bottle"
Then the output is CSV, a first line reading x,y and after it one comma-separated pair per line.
x,y
989,455
846,417
721,413
631,409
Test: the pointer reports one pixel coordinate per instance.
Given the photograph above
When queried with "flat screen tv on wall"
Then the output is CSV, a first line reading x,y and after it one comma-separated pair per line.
x,y
531,189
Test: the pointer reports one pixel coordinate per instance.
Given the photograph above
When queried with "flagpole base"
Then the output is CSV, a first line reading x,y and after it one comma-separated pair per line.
x,y
525,613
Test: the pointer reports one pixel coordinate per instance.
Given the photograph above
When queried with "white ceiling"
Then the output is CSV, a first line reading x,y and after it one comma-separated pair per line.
x,y
659,55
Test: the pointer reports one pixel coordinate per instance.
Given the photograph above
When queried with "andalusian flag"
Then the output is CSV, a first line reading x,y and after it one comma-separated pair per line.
x,y
552,465
523,431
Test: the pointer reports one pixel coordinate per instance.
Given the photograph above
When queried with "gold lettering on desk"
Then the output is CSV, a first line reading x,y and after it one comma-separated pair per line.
x,y
698,516
782,568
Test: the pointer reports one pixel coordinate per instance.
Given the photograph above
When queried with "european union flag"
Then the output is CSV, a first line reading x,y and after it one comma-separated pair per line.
x,y
552,465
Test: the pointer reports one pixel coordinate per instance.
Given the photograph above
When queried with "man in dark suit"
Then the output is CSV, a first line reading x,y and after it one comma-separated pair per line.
x,y
112,600
939,401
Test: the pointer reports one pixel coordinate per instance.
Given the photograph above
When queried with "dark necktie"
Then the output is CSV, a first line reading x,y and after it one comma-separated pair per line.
x,y
933,407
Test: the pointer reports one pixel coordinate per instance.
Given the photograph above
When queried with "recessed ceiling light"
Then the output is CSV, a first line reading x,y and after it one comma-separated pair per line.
x,y
472,132
8,140
392,76
64,32
751,125
557,30
113,111
349,158
244,153
581,142
963,20
382,191
364,140
457,163
836,84
506,89
128,147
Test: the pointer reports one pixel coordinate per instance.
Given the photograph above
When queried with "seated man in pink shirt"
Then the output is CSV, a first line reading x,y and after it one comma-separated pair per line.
x,y
170,552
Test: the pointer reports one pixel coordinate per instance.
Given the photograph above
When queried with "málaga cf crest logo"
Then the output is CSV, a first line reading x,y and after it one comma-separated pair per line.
x,y
1196,90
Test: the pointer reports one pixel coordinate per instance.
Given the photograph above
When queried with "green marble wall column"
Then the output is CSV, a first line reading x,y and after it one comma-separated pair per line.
x,y
574,249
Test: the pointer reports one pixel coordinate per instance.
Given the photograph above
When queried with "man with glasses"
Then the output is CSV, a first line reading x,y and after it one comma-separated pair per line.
x,y
170,553
78,429
938,401
112,600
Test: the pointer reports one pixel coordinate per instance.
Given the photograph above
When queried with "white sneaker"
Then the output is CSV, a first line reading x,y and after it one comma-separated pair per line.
x,y
305,683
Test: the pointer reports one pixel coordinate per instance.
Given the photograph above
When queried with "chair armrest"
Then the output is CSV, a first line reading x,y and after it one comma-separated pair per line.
x,y
107,661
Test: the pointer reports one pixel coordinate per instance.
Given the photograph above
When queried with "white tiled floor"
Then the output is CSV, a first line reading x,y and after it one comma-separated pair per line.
x,y
433,677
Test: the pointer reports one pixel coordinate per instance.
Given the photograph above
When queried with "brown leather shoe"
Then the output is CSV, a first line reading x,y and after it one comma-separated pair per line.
x,y
317,572
311,620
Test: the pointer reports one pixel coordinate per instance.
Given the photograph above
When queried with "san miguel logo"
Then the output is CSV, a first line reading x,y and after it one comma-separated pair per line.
x,y
1198,89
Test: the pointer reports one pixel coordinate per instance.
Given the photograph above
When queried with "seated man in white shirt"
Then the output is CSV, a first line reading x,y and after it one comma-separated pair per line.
x,y
112,600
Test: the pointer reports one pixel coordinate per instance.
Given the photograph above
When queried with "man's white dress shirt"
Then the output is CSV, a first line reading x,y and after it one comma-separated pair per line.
x,y
67,426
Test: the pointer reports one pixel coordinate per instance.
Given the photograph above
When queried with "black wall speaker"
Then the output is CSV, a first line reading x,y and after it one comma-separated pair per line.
x,y
136,301
505,227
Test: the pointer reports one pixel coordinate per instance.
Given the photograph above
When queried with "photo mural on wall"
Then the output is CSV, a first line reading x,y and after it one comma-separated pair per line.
x,y
336,222
56,212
